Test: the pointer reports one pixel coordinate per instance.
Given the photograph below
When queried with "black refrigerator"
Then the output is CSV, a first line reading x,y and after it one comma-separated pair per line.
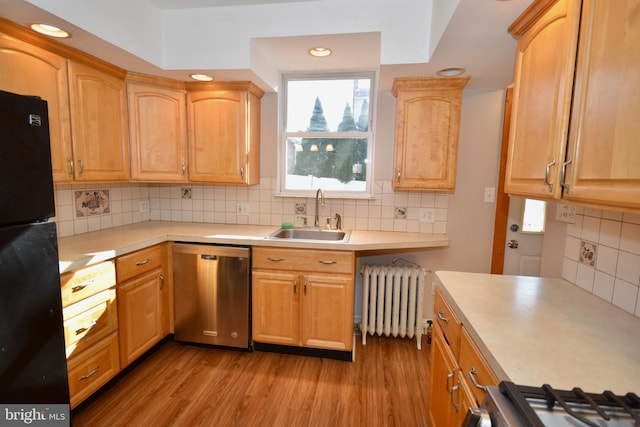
x,y
33,368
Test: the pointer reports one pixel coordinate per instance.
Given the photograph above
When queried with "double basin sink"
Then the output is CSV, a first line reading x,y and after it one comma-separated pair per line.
x,y
310,234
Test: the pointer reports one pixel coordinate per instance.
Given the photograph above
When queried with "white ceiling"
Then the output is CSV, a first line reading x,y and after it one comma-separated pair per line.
x,y
258,39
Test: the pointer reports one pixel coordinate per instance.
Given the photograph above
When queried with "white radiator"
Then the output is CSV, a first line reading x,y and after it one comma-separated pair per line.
x,y
392,299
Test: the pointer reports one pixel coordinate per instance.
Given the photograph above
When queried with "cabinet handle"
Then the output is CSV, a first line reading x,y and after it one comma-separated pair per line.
x,y
305,287
90,374
453,400
295,287
564,169
449,376
161,277
275,259
472,376
242,173
81,165
441,317
71,169
398,176
78,288
143,262
327,261
184,169
86,328
546,174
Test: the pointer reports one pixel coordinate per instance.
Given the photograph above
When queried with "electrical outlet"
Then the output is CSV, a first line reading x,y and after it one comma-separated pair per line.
x,y
243,209
144,206
427,215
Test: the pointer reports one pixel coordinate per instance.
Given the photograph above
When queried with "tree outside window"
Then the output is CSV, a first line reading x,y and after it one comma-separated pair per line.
x,y
333,150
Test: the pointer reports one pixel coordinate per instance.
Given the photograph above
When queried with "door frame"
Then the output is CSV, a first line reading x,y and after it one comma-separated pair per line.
x,y
502,199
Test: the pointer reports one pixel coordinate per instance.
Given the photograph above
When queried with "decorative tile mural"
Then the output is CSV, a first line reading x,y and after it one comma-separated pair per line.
x,y
92,202
588,253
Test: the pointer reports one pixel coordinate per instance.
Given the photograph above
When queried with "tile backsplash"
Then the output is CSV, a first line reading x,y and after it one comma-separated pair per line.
x,y
602,256
81,208
219,204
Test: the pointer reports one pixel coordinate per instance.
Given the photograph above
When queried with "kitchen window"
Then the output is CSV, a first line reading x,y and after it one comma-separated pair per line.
x,y
327,137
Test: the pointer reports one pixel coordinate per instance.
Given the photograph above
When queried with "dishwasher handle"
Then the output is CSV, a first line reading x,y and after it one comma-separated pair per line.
x,y
209,257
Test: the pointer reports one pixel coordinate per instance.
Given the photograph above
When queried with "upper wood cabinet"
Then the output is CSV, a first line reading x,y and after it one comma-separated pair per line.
x,y
573,132
426,135
604,153
157,129
99,124
30,70
224,132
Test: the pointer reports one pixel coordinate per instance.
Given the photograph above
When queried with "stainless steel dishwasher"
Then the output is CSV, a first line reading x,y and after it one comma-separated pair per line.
x,y
211,294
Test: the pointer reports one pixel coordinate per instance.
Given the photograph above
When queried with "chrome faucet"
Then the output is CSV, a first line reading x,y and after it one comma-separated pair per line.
x,y
319,195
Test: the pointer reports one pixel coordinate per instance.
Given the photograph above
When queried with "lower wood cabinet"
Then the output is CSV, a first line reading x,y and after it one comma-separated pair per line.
x,y
459,373
90,328
141,301
93,368
140,315
303,298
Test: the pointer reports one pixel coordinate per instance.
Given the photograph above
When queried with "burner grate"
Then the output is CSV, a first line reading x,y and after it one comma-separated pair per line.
x,y
520,396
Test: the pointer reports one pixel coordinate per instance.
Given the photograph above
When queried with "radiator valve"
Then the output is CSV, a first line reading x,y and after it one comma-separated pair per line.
x,y
429,331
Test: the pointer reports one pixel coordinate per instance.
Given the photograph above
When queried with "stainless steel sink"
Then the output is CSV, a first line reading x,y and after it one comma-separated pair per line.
x,y
310,234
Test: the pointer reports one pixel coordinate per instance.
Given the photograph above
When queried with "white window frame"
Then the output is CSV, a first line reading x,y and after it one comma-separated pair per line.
x,y
283,135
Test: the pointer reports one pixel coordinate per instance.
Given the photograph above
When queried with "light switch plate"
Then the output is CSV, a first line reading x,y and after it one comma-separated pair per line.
x,y
490,194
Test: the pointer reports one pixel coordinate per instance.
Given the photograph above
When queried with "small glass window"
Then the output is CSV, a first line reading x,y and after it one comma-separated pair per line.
x,y
533,216
327,138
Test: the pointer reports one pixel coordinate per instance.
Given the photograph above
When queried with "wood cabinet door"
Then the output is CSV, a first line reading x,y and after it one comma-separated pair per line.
x,y
276,307
217,136
603,139
426,136
541,100
327,311
464,399
29,70
158,131
139,315
99,124
443,377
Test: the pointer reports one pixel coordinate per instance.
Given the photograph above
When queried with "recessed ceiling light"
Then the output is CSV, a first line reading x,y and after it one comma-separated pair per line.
x,y
320,51
201,77
450,71
50,30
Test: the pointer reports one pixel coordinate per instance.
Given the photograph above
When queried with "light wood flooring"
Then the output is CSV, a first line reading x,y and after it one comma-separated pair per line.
x,y
182,385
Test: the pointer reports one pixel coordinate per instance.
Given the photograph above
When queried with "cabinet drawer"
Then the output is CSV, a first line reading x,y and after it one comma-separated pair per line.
x,y
133,264
91,369
82,283
303,260
89,321
448,322
475,369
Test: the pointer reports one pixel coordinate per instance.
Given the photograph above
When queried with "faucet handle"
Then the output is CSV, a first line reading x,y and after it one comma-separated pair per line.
x,y
337,219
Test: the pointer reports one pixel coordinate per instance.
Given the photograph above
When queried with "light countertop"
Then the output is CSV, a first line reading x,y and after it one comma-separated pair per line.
x,y
88,248
534,331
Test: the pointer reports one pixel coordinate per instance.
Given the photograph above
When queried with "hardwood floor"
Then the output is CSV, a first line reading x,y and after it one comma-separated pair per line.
x,y
181,385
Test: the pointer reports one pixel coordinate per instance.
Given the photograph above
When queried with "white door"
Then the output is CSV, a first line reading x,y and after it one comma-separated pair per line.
x,y
523,251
